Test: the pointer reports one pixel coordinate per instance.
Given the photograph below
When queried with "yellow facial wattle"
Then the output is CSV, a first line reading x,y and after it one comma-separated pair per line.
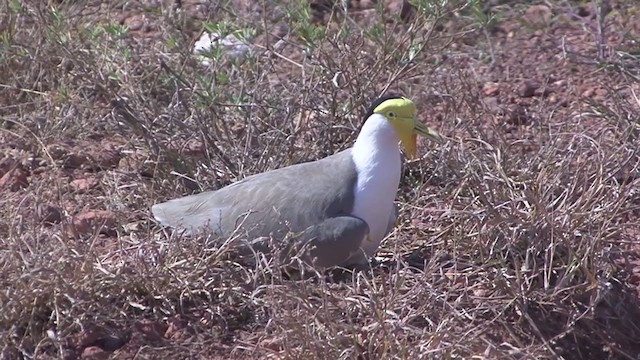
x,y
401,113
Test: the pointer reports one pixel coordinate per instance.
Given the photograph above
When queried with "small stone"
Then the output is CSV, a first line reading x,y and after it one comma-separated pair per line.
x,y
275,344
74,161
588,92
112,342
64,154
6,165
57,152
94,353
601,94
175,328
480,293
97,341
49,214
542,91
104,159
92,221
584,11
452,275
194,147
129,164
560,83
538,15
152,330
83,185
527,89
491,89
516,115
233,47
15,176
135,23
92,156
403,8
492,104
121,18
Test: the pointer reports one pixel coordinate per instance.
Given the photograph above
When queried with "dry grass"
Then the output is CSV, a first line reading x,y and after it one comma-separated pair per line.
x,y
515,241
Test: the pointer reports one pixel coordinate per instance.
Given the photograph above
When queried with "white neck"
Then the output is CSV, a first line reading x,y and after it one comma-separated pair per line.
x,y
377,134
376,155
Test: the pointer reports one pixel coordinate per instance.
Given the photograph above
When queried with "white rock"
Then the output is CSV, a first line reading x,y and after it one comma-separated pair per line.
x,y
232,47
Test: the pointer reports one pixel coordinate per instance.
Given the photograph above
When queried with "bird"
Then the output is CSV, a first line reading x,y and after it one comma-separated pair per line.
x,y
331,212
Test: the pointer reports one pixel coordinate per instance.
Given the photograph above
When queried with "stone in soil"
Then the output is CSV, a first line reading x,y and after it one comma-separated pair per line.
x,y
527,89
49,214
89,155
538,15
516,115
88,222
491,89
13,175
152,330
84,184
95,353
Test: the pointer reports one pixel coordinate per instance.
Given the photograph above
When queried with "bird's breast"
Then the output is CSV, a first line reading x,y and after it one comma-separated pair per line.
x,y
375,191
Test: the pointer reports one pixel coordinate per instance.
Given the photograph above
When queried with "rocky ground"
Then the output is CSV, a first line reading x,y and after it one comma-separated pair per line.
x,y
519,239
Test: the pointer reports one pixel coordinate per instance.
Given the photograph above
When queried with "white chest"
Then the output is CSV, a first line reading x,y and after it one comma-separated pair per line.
x,y
374,198
377,160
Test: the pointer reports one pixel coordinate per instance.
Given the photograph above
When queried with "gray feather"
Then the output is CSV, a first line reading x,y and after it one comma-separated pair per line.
x,y
314,199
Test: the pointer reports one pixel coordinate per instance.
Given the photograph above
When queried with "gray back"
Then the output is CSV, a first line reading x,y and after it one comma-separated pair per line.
x,y
270,203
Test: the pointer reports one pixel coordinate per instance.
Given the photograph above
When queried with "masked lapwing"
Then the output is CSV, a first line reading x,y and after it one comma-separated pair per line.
x,y
339,208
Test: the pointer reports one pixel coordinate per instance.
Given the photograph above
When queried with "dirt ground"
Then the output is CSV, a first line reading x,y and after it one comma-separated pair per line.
x,y
519,238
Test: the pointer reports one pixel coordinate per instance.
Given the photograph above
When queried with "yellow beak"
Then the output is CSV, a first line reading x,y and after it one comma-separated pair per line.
x,y
408,130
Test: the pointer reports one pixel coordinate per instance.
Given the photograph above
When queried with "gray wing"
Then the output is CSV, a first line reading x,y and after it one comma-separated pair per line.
x,y
331,242
292,198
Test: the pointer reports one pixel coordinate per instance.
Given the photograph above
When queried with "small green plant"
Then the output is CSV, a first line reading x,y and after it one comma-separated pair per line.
x,y
208,86
63,94
15,6
56,30
486,19
6,40
116,30
300,18
220,28
215,52
376,33
94,32
174,43
430,8
223,38
246,33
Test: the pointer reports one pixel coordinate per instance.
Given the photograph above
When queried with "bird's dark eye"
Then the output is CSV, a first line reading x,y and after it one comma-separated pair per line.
x,y
391,114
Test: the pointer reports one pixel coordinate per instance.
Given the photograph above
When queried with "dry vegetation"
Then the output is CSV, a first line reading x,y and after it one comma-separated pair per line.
x,y
518,238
